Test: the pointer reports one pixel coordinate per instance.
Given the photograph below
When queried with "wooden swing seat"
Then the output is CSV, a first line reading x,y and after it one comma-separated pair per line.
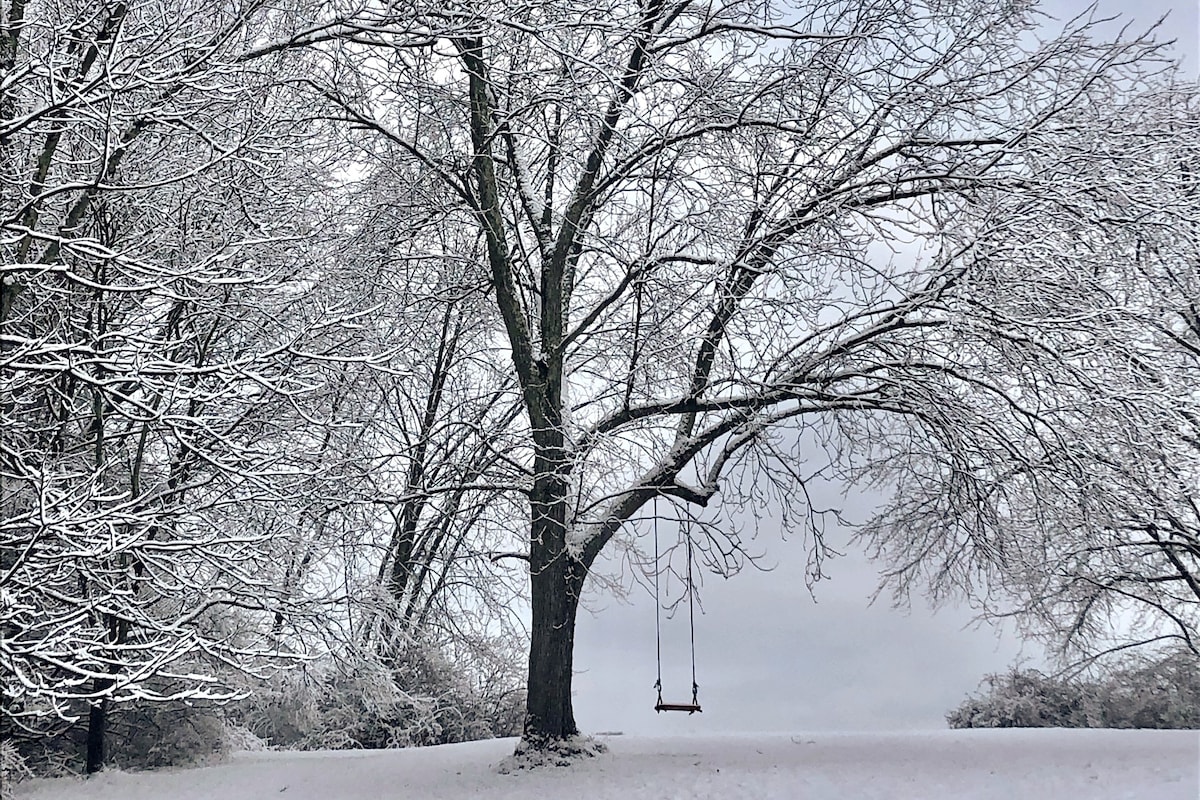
x,y
690,708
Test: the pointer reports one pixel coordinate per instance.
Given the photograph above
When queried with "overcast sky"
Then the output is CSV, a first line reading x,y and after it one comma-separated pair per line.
x,y
769,657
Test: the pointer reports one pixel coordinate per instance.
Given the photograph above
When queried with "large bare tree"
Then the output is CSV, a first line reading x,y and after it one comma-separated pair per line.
x,y
734,246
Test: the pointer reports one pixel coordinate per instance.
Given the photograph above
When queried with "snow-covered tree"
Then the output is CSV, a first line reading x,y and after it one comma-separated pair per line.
x,y
735,248
154,328
1097,244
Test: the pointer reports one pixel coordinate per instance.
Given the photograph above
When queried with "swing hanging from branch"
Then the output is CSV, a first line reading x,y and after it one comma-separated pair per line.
x,y
660,706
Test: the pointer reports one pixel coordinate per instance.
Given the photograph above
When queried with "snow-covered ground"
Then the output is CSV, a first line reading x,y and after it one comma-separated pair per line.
x,y
963,765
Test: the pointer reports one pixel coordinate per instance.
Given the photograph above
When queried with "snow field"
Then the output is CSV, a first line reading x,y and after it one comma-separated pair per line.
x,y
963,765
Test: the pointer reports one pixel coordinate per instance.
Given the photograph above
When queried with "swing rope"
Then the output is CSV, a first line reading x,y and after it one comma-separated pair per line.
x,y
694,706
657,610
691,590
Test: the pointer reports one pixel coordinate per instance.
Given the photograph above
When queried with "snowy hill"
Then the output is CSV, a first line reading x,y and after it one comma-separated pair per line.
x,y
964,765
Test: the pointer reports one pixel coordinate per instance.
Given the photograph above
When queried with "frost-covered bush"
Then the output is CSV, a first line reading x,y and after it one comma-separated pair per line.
x,y
148,735
364,703
1161,691
348,703
50,749
141,735
1023,699
12,768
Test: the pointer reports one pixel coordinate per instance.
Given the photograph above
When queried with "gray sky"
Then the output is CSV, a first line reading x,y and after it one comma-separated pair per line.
x,y
769,657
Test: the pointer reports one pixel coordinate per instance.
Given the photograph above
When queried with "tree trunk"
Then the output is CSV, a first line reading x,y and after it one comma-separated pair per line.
x,y
549,713
556,579
97,731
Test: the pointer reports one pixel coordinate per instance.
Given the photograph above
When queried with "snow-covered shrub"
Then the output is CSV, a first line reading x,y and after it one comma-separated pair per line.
x,y
12,768
1152,693
1023,699
141,735
243,740
147,735
364,703
1159,691
47,747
